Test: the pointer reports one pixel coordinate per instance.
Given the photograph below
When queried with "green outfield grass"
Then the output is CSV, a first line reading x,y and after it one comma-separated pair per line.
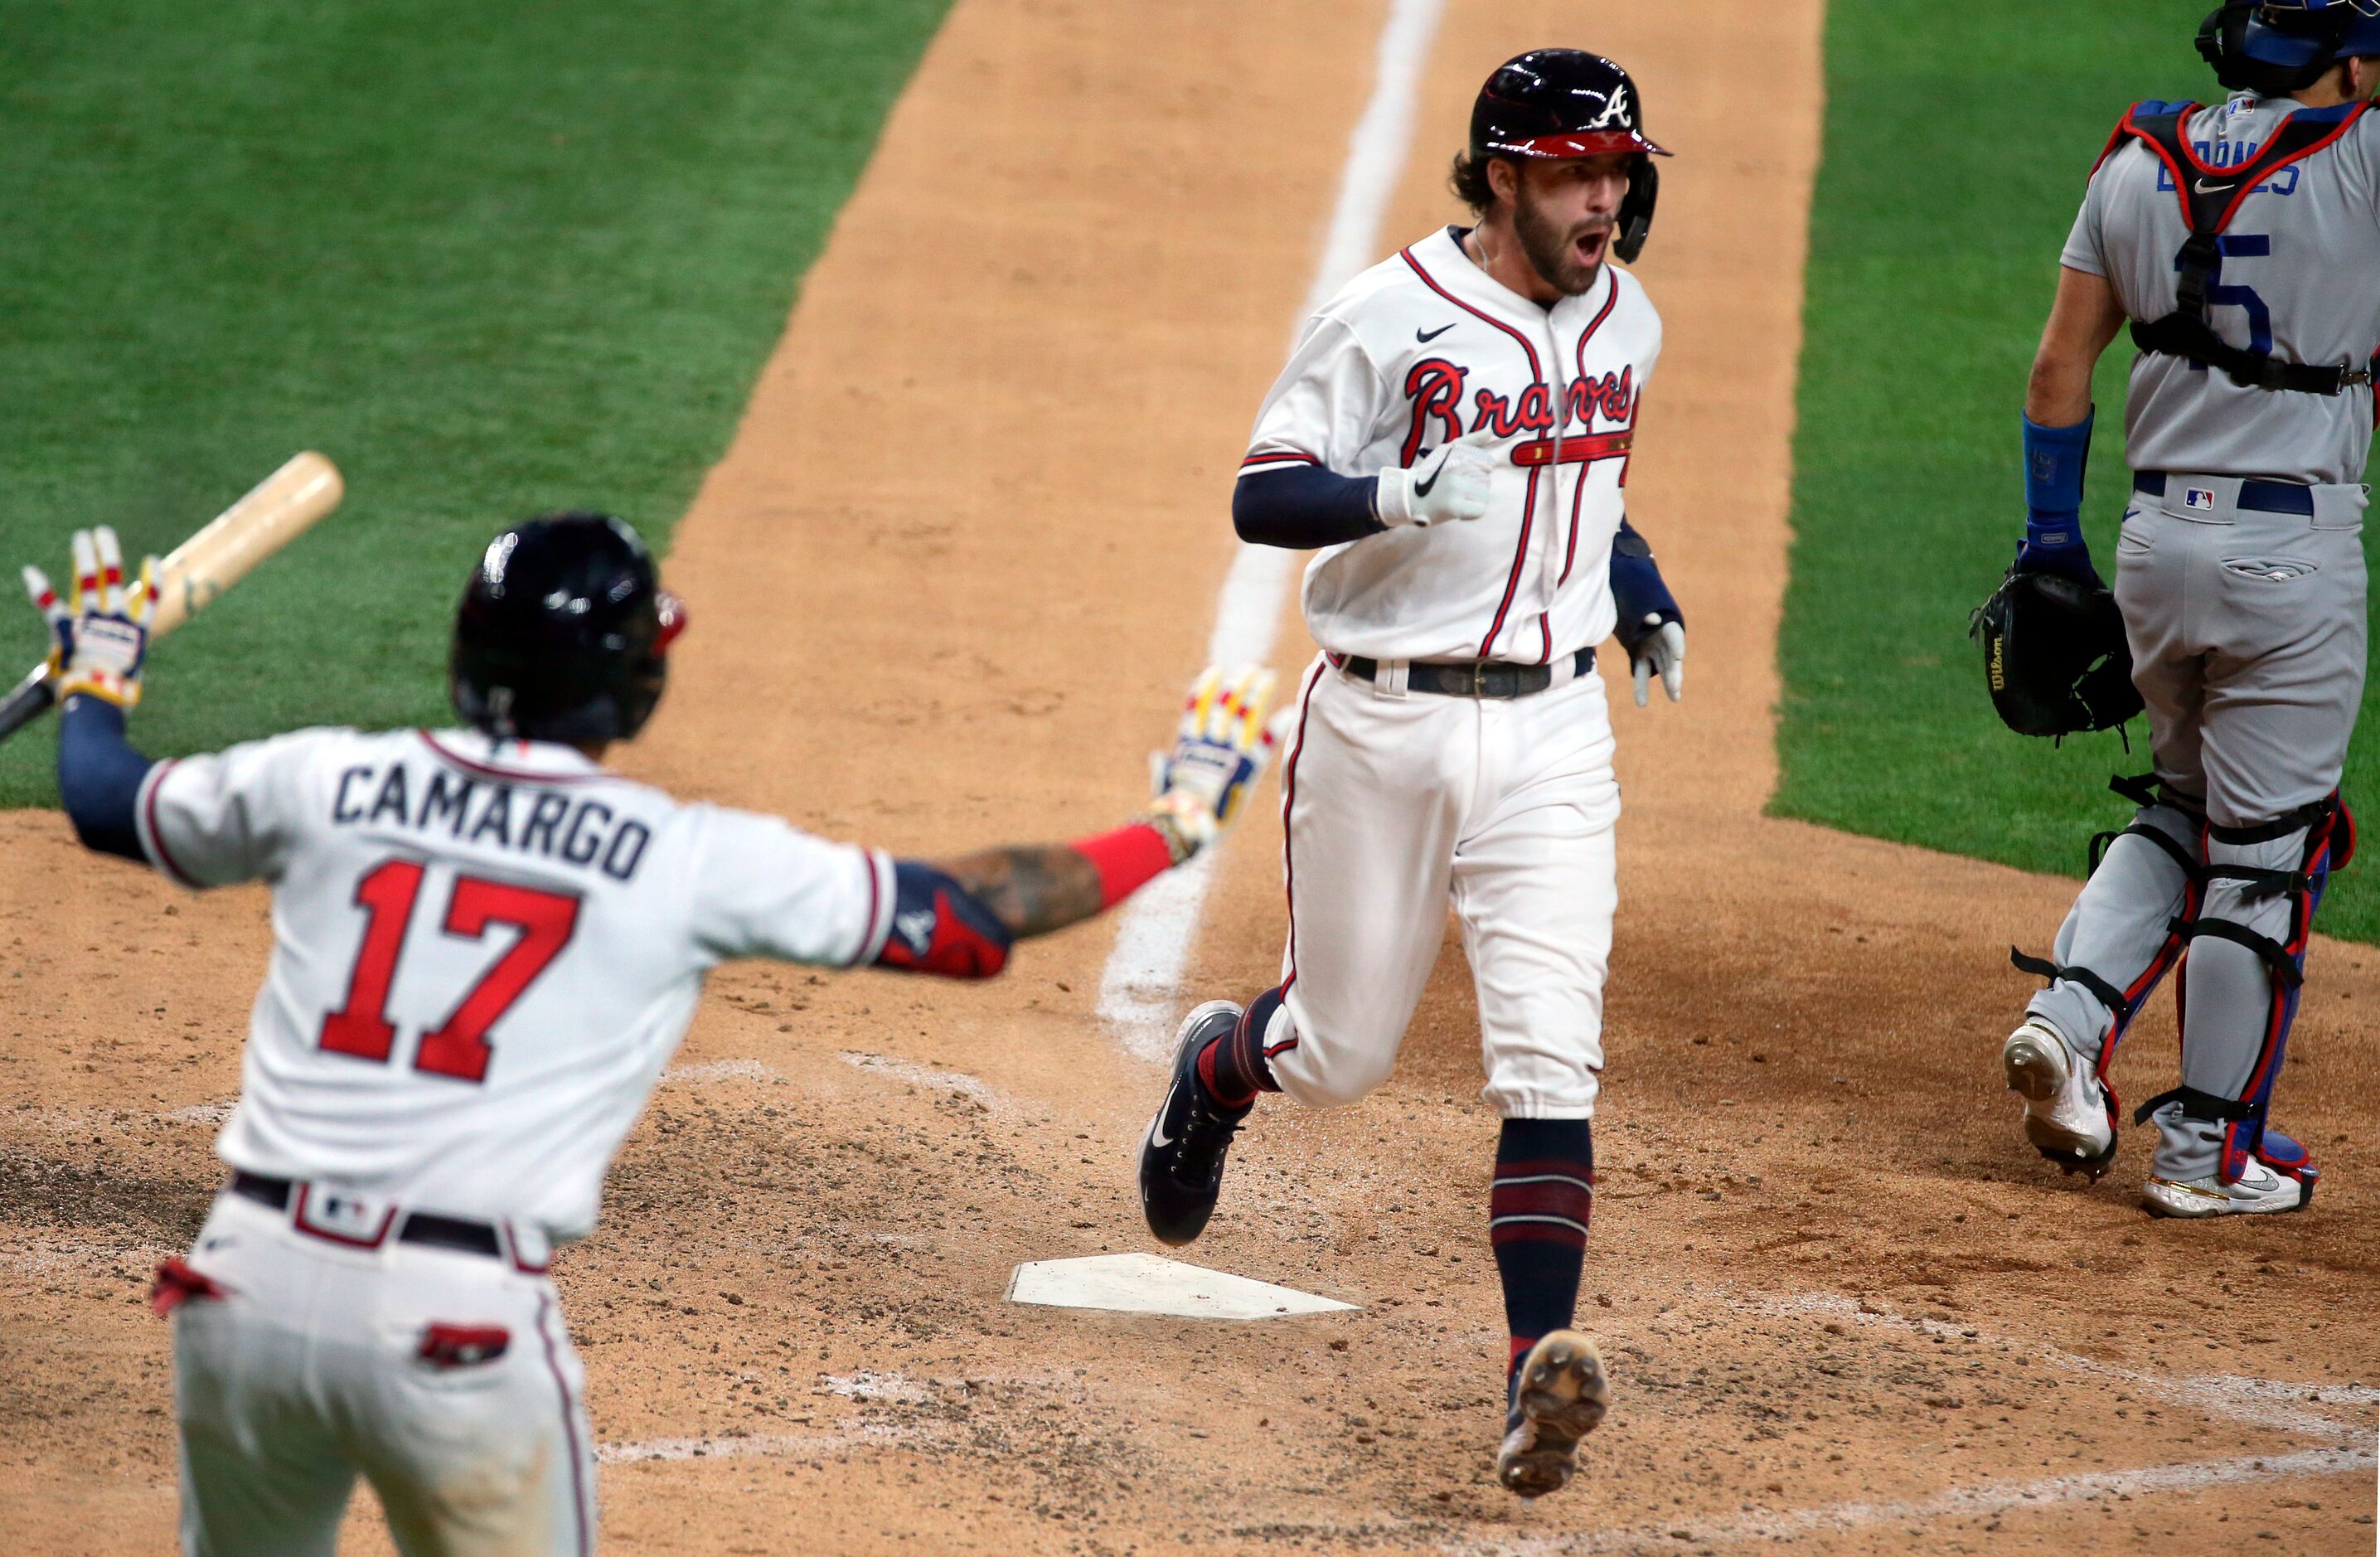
x,y
1957,147
490,258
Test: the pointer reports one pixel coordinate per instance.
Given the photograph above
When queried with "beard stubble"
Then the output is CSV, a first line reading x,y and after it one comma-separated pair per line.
x,y
1548,244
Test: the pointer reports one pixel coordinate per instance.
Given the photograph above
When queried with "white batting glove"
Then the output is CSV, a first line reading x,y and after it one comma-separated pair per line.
x,y
1220,750
1661,652
98,644
1452,486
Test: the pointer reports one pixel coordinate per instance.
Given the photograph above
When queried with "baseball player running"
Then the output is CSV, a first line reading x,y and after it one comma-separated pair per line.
x,y
2243,242
485,947
1453,431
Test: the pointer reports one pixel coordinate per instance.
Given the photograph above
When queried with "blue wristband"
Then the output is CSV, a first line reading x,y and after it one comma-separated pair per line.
x,y
2054,462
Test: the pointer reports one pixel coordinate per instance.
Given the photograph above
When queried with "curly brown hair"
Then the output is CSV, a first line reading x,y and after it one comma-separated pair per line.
x,y
1468,178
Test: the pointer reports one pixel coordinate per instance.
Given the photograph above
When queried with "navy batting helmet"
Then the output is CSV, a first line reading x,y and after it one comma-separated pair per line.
x,y
2275,47
562,631
1567,102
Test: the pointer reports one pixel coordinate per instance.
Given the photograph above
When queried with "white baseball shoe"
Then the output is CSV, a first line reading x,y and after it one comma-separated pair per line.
x,y
2066,1112
1564,1394
2259,1189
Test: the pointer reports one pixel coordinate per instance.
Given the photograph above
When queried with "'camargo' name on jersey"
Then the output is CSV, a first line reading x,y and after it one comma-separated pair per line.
x,y
577,830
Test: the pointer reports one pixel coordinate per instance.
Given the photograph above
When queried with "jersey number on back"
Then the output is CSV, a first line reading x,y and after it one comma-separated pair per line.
x,y
459,1046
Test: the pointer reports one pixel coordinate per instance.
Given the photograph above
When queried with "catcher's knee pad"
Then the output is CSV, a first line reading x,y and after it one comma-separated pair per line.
x,y
2271,873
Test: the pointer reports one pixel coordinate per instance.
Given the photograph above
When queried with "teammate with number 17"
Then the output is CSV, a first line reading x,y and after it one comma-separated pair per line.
x,y
1453,432
2241,241
485,948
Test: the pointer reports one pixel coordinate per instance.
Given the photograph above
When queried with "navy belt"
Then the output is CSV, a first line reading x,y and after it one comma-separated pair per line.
x,y
419,1227
1468,678
2265,497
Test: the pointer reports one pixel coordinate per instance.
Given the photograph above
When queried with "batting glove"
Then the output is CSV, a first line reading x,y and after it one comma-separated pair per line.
x,y
1453,486
98,644
1221,749
1660,651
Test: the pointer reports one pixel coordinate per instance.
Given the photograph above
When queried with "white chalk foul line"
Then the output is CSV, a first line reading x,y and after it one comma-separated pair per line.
x,y
1142,983
915,1075
2268,1403
1994,1496
717,1070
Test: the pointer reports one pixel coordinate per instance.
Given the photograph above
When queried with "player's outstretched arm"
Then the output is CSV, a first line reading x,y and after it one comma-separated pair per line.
x,y
958,917
97,644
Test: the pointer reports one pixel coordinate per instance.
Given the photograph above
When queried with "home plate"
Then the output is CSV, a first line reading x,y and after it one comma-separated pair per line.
x,y
1143,1284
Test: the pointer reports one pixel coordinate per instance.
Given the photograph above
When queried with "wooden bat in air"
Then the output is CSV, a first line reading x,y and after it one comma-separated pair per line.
x,y
282,508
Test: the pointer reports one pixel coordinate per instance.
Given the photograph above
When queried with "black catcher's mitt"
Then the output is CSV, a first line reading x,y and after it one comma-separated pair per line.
x,y
2054,655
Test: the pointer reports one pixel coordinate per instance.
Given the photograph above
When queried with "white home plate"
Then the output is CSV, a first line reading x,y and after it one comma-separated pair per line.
x,y
1143,1284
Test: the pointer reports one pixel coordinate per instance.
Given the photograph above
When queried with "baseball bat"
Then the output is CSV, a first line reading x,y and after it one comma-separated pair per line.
x,y
194,574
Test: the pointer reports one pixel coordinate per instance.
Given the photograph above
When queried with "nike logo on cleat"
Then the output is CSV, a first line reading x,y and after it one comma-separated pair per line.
x,y
1426,336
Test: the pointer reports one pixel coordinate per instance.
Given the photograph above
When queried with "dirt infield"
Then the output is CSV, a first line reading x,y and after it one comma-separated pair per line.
x,y
947,584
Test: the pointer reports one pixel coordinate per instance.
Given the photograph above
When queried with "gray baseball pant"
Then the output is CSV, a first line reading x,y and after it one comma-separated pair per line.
x,y
2247,634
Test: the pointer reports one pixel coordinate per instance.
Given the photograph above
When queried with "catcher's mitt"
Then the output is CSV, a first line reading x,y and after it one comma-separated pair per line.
x,y
2054,655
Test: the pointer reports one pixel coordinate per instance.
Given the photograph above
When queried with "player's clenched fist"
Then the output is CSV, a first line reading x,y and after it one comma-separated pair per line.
x,y
97,644
1220,750
1451,485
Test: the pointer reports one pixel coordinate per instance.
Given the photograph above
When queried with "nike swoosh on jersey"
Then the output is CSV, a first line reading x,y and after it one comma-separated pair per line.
x,y
1426,336
2203,187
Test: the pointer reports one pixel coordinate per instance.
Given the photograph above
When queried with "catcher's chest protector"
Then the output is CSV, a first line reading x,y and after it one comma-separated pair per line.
x,y
2210,197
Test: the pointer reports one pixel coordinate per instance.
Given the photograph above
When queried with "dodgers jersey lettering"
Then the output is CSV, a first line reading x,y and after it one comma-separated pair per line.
x,y
1414,353
2300,277
483,952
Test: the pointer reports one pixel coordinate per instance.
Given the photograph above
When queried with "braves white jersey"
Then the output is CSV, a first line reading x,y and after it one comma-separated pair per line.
x,y
2300,277
483,952
1416,352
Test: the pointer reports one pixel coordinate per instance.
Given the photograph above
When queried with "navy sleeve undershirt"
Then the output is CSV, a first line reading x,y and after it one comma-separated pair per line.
x,y
100,774
1304,506
1642,598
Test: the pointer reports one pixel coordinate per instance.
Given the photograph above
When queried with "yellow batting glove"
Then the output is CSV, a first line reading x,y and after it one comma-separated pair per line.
x,y
1221,749
98,643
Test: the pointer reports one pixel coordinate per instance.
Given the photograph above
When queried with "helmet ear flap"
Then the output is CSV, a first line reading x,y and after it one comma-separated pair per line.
x,y
1635,222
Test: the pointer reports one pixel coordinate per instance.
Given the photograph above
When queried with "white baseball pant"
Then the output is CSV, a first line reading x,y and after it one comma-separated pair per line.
x,y
309,1368
1395,805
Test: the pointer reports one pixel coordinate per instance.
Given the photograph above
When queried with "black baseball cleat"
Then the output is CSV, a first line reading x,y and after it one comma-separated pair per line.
x,y
1182,1158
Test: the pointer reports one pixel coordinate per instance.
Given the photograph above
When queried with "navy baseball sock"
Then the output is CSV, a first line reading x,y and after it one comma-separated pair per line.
x,y
1537,1211
1232,1068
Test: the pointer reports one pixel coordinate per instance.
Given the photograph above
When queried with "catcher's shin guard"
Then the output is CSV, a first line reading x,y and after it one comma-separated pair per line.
x,y
2263,883
2119,941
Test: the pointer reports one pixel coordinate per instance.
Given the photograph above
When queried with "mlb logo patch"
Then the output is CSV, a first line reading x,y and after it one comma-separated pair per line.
x,y
2198,500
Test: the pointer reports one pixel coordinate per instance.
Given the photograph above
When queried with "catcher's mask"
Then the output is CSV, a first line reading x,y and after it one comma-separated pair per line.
x,y
2276,47
563,633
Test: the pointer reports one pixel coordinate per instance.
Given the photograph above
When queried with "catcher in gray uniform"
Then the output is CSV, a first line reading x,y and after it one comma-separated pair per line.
x,y
2242,243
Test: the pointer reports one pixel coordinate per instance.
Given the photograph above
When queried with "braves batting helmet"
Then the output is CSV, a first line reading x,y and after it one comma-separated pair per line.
x,y
2275,47
562,632
1566,103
